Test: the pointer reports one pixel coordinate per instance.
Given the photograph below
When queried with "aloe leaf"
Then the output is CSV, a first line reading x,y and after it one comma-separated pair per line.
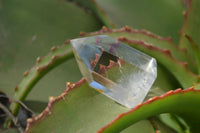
x,y
152,125
146,36
174,122
154,16
143,126
151,39
66,113
176,102
43,65
196,51
148,126
177,68
163,56
191,26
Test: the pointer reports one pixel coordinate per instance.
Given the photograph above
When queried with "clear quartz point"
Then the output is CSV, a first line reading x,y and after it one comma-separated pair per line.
x,y
115,69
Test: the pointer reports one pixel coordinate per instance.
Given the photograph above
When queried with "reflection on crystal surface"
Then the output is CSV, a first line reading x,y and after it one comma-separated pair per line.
x,y
115,69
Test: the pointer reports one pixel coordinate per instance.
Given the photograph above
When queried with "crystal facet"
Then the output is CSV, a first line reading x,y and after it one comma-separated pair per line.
x,y
115,69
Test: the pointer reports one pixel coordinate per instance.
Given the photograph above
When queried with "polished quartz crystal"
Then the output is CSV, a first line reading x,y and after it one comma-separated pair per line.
x,y
115,69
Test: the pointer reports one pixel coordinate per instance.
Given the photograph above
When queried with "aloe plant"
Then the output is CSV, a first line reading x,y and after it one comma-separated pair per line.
x,y
78,107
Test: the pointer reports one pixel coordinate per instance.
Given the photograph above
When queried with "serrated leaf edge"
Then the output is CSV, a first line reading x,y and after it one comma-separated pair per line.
x,y
38,71
156,98
127,29
52,100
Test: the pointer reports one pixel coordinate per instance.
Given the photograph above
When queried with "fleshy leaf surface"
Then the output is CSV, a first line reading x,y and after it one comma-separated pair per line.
x,y
66,113
163,56
196,51
191,26
184,103
54,58
159,126
177,68
146,36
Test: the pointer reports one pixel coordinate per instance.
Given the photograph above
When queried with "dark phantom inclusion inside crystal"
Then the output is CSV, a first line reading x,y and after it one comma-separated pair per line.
x,y
105,60
101,83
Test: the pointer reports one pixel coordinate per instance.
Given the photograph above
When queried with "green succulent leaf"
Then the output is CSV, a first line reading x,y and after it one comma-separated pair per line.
x,y
196,51
176,102
178,69
147,37
191,26
174,122
159,126
163,56
66,113
58,55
